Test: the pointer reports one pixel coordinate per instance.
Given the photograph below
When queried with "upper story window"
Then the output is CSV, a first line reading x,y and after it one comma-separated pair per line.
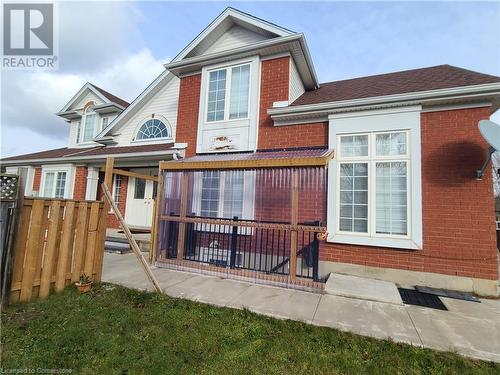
x,y
228,93
105,122
153,129
89,124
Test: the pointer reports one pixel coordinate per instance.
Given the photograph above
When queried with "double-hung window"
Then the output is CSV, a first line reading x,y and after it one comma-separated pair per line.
x,y
54,185
373,184
228,93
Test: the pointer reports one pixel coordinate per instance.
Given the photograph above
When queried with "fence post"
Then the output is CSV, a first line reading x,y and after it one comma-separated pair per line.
x,y
294,221
182,224
234,244
103,221
315,254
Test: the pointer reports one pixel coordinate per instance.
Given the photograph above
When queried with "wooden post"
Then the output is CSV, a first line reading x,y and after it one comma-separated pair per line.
x,y
182,223
103,222
156,217
131,239
294,221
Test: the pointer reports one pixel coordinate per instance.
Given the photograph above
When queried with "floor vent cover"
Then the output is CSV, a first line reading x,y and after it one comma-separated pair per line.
x,y
414,297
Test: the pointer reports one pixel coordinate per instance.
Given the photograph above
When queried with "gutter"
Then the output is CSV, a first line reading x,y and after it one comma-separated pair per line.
x,y
413,97
87,158
212,58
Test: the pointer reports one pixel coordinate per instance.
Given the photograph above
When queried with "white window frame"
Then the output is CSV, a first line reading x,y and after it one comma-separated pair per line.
x,y
241,133
227,98
164,120
69,183
248,195
372,122
88,110
372,159
104,126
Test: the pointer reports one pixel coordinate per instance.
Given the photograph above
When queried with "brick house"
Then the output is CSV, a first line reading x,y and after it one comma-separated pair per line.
x,y
399,200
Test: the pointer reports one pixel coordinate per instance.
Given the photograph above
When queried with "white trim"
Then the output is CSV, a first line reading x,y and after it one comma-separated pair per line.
x,y
407,119
152,89
69,184
449,107
169,151
249,124
231,12
87,86
163,119
92,183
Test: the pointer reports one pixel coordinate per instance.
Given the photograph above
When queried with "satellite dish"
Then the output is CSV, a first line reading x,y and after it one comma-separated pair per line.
x,y
491,133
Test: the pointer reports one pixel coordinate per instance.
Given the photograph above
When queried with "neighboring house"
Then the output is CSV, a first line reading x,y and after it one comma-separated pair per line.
x,y
247,85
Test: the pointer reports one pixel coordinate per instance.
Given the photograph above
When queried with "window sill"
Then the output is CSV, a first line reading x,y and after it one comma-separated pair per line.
x,y
400,243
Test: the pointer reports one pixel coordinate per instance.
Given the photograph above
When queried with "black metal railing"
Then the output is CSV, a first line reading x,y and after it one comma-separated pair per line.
x,y
264,247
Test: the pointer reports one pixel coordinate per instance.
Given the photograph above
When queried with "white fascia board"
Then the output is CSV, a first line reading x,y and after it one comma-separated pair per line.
x,y
91,157
197,62
80,92
234,51
231,12
419,97
153,87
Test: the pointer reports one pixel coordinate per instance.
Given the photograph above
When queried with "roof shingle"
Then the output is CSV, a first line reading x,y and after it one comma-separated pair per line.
x,y
111,97
424,79
66,152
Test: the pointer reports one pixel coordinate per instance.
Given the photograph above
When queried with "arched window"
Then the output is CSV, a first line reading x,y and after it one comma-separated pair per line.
x,y
153,128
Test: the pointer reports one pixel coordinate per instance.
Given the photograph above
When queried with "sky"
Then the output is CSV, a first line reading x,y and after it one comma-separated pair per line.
x,y
122,46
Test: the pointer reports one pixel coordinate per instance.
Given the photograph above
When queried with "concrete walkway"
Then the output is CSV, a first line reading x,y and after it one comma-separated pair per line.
x,y
469,328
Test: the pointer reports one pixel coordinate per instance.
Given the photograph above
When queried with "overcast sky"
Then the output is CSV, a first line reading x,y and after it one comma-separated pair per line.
x,y
121,47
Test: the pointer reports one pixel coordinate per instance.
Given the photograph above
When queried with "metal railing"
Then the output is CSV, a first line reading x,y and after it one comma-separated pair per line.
x,y
243,244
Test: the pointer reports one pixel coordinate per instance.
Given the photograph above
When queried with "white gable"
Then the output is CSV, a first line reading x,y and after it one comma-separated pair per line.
x,y
163,105
235,37
231,28
87,97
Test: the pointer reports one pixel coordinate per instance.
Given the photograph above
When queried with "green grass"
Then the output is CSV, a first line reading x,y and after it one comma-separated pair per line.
x,y
115,330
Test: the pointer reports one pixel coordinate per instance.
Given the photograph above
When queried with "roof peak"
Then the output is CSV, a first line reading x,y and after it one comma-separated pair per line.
x,y
113,98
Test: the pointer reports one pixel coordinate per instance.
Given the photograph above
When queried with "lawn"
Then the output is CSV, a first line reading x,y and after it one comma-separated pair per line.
x,y
114,330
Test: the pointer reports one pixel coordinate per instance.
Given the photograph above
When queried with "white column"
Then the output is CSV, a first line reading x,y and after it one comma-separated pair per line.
x,y
92,183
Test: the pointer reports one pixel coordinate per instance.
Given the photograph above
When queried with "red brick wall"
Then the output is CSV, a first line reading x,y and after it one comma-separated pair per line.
x,y
37,178
122,200
187,112
274,87
458,211
80,183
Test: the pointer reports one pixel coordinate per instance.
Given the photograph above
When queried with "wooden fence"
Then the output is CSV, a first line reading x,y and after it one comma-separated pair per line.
x,y
56,241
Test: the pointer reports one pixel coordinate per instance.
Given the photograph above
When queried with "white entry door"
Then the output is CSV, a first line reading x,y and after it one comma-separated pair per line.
x,y
140,195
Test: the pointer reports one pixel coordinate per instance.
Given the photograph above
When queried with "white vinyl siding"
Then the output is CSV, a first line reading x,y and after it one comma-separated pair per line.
x,y
163,104
375,179
296,85
235,37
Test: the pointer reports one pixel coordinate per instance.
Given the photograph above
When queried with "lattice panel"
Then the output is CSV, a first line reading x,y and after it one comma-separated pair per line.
x,y
8,187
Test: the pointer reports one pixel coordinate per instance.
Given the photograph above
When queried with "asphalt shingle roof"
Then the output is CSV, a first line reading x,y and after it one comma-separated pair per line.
x,y
424,79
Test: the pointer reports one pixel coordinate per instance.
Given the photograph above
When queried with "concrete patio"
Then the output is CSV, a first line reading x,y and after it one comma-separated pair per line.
x,y
469,328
